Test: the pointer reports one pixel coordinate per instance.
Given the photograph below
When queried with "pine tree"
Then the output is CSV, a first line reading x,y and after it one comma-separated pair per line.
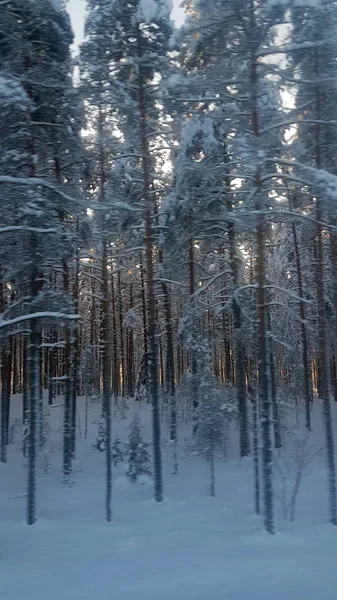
x,y
317,148
130,43
36,187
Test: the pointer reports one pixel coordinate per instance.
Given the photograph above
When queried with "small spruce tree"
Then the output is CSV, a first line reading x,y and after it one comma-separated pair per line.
x,y
210,430
137,452
117,453
100,442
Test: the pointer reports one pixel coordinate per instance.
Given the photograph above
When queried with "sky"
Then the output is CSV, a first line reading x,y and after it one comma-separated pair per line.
x,y
76,10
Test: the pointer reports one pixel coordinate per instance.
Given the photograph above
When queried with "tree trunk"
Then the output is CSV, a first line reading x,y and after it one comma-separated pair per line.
x,y
237,322
212,471
130,353
306,372
194,364
121,337
34,396
5,401
264,386
75,357
145,327
324,371
115,382
106,363
152,361
170,367
67,450
256,455
267,454
273,390
322,337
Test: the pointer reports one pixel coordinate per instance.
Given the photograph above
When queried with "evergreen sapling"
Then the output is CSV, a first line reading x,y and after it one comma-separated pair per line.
x,y
137,452
117,453
209,434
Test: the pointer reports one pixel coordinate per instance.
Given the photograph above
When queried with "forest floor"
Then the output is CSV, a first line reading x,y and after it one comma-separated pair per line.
x,y
190,547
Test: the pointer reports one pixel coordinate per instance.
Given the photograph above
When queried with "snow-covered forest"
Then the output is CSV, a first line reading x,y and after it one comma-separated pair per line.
x,y
168,300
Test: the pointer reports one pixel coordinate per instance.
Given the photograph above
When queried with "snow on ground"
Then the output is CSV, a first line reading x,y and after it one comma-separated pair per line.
x,y
190,547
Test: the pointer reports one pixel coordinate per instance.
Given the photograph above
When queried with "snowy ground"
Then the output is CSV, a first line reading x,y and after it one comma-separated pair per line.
x,y
190,547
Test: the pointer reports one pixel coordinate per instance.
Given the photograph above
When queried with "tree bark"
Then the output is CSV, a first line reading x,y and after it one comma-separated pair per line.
x,y
34,395
152,361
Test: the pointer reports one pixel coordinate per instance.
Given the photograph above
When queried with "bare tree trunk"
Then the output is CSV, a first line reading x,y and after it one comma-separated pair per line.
x,y
106,362
145,327
52,360
25,382
130,352
237,322
267,455
106,381
256,455
292,504
273,391
15,365
34,395
67,450
170,368
194,364
306,371
5,400
121,336
212,471
264,387
75,357
152,363
322,337
324,370
115,383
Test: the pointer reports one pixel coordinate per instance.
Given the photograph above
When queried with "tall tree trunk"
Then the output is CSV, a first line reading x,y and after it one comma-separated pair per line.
x,y
25,382
106,363
5,400
15,365
273,390
67,449
115,383
264,386
322,336
211,471
75,357
130,352
264,392
145,325
194,364
324,370
152,309
305,353
34,394
52,360
256,454
237,322
170,363
333,252
121,337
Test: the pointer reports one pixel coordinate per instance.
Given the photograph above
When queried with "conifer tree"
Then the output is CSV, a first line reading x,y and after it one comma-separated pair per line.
x,y
117,452
138,459
131,42
210,423
314,69
35,187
